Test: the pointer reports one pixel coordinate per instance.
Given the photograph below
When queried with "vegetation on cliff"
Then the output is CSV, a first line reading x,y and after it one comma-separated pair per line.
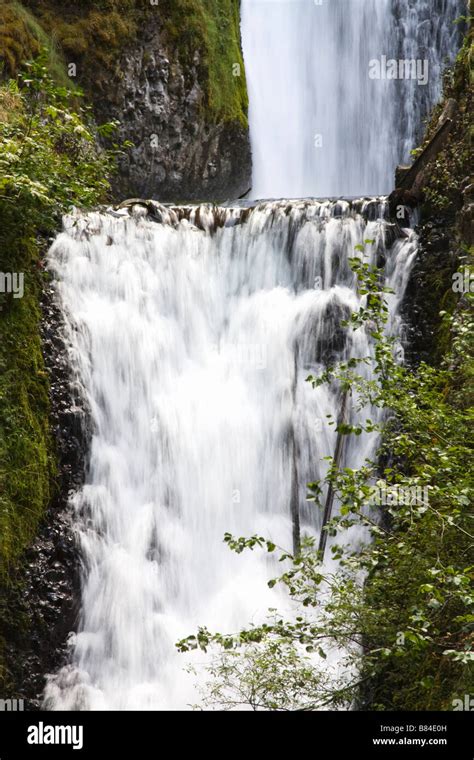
x,y
447,173
212,27
447,216
48,162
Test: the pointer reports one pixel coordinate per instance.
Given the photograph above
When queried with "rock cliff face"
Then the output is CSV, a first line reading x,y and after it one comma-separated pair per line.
x,y
170,72
446,223
178,153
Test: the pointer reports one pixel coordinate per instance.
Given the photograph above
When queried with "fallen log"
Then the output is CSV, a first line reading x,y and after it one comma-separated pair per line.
x,y
409,180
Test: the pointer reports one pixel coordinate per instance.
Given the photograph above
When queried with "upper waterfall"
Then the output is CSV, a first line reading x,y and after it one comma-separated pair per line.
x,y
320,125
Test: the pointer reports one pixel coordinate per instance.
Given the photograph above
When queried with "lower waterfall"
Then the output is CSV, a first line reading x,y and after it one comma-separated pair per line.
x,y
191,333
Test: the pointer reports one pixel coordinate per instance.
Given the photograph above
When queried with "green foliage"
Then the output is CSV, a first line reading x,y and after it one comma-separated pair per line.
x,y
48,156
272,676
400,607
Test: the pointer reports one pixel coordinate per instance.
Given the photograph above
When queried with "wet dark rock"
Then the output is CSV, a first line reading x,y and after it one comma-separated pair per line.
x,y
429,289
325,342
43,603
401,203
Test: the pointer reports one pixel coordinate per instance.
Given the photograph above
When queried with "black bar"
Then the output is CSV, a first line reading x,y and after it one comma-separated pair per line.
x,y
151,734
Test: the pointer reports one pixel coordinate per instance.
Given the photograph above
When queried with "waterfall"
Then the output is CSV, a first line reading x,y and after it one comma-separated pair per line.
x,y
192,330
191,333
319,125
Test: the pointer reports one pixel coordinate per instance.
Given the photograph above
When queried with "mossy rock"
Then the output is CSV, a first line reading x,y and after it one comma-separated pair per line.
x,y
94,36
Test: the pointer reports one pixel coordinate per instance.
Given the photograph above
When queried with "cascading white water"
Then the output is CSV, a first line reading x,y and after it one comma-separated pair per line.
x,y
192,338
319,125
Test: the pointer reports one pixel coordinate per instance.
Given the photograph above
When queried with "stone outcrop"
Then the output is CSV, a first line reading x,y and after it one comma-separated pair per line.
x,y
179,154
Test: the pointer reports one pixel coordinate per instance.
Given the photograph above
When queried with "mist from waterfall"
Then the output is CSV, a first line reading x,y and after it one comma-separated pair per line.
x,y
319,125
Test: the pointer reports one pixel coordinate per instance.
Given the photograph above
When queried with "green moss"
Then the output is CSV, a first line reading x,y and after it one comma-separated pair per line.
x,y
17,43
212,28
25,442
27,461
89,34
22,37
93,40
